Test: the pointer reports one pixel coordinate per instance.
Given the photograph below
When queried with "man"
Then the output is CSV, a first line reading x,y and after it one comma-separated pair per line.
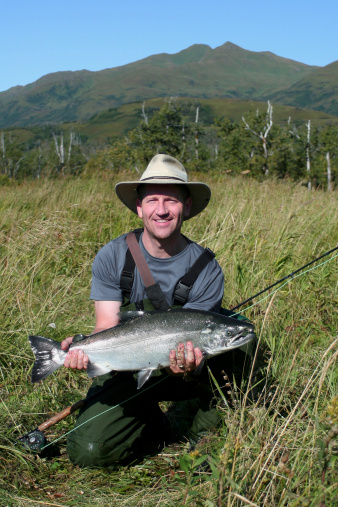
x,y
163,198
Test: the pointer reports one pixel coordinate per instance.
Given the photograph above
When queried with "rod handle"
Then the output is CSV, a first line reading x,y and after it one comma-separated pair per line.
x,y
61,415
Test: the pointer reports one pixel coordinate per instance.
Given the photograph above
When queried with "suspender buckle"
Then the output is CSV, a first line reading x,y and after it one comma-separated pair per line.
x,y
181,293
126,281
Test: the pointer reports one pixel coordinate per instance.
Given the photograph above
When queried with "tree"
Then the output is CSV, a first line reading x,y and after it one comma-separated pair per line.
x,y
262,133
164,132
69,157
241,147
328,156
12,155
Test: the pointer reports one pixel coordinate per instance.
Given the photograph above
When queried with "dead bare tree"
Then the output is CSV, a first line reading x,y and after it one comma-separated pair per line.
x,y
72,140
59,149
263,135
308,161
196,132
16,167
308,165
2,144
329,175
183,139
144,116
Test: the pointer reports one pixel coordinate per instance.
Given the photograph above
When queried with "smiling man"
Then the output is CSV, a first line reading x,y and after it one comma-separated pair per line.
x,y
184,275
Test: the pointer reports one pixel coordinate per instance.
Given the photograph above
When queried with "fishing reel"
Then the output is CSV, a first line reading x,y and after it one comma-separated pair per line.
x,y
35,440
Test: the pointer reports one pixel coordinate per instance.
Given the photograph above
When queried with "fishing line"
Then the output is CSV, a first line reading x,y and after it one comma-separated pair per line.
x,y
101,413
288,281
292,276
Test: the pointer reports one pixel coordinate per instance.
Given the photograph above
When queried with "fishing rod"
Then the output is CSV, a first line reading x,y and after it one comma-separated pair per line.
x,y
35,440
291,275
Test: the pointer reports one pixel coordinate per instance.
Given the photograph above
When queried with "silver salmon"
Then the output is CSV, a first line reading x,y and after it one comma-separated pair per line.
x,y
143,340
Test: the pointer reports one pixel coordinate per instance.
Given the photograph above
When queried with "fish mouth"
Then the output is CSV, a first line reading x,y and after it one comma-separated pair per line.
x,y
247,334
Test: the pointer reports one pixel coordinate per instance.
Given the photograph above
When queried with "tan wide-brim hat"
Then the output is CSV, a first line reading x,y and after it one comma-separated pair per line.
x,y
164,170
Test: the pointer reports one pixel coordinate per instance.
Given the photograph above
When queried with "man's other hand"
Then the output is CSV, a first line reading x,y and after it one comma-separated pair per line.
x,y
185,363
75,358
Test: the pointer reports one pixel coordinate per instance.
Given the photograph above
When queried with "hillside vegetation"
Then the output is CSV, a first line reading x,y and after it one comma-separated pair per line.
x,y
276,449
320,89
257,144
119,121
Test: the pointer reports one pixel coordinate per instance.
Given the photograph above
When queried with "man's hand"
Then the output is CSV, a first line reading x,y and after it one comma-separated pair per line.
x,y
75,358
179,364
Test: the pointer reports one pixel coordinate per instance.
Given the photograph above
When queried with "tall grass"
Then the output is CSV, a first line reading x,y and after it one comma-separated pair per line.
x,y
278,449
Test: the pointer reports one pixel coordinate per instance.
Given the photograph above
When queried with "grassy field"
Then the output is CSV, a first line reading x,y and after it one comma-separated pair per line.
x,y
276,450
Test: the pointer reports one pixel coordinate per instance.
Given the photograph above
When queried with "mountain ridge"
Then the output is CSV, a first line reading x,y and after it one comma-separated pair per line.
x,y
228,71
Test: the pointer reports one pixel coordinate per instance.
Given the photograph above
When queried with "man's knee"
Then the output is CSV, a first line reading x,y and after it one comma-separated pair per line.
x,y
85,453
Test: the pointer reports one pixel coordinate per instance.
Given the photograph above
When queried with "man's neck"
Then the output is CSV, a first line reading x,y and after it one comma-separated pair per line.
x,y
164,248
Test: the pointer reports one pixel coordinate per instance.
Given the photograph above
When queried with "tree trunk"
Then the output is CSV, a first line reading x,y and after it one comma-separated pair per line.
x,y
329,176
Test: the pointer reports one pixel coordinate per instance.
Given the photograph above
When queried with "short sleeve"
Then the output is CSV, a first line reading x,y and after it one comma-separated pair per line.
x,y
105,274
207,292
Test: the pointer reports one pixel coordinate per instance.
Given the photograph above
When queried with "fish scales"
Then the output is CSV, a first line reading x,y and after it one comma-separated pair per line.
x,y
131,350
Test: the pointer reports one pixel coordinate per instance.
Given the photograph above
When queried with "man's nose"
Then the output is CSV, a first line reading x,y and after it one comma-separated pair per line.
x,y
162,208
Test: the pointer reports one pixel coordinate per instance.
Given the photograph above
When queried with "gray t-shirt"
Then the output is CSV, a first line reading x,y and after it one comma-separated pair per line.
x,y
206,293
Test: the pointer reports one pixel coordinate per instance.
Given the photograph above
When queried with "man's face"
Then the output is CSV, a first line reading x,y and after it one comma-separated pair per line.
x,y
163,209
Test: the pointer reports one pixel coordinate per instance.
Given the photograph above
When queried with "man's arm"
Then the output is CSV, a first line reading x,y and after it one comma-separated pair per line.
x,y
106,317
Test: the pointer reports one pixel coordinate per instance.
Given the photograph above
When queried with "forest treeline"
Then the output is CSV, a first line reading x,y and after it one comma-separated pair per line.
x,y
256,146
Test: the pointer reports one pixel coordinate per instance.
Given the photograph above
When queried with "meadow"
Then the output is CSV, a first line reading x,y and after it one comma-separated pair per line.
x,y
276,449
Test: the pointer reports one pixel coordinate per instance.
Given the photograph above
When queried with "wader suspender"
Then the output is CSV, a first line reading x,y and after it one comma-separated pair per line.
x,y
153,290
184,285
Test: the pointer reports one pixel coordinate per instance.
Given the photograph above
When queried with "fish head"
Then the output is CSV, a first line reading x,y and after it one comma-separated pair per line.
x,y
218,338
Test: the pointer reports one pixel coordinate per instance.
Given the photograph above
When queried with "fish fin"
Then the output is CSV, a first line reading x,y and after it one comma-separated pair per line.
x,y
131,314
45,351
142,377
95,369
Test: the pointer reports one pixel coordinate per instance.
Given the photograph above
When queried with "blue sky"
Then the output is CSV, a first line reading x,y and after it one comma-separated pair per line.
x,y
38,37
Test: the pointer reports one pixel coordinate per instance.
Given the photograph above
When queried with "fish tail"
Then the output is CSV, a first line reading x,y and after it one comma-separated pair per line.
x,y
48,357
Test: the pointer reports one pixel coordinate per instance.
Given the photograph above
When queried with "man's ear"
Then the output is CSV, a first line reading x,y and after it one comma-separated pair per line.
x,y
187,206
139,208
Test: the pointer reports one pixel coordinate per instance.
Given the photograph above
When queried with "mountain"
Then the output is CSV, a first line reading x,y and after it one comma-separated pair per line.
x,y
320,89
227,71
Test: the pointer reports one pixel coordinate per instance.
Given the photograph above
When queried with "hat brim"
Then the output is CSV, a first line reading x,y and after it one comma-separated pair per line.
x,y
200,193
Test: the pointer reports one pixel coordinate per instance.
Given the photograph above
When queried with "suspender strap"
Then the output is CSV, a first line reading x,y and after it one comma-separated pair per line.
x,y
127,276
139,259
152,289
183,287
156,296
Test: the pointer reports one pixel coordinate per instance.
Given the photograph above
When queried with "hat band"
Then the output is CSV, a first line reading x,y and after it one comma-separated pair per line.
x,y
163,178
